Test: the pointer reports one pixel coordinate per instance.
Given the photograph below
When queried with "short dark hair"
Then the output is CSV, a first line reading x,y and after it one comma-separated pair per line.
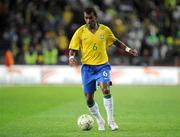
x,y
90,10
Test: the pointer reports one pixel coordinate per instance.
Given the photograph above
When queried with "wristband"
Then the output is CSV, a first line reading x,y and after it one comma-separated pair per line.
x,y
127,49
71,57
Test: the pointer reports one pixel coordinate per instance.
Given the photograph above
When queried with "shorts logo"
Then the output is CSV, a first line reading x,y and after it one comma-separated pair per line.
x,y
105,74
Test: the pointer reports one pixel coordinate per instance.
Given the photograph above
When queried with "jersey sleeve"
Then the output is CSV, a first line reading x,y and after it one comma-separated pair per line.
x,y
75,41
110,37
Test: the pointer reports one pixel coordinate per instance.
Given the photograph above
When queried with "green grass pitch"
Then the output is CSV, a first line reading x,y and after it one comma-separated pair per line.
x,y
52,111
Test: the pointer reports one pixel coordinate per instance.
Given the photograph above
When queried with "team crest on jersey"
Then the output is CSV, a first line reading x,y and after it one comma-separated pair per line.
x,y
102,36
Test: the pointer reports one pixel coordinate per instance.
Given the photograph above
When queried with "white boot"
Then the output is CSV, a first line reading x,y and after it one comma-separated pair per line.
x,y
113,125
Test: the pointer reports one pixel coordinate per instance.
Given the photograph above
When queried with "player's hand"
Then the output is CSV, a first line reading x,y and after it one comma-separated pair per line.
x,y
133,52
72,61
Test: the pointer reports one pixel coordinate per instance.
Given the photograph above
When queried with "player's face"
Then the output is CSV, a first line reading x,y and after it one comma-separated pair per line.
x,y
90,20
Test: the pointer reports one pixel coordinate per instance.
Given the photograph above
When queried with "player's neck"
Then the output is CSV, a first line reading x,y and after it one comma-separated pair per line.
x,y
94,28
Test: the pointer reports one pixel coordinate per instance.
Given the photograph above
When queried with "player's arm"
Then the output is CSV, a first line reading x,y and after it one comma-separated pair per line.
x,y
74,47
72,59
122,46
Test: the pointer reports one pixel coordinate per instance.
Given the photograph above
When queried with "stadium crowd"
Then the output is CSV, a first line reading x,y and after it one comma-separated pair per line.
x,y
39,31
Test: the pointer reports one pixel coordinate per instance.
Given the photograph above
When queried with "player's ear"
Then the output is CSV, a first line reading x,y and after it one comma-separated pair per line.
x,y
95,16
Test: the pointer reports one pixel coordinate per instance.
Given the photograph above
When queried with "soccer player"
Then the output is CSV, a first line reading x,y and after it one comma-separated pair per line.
x,y
93,40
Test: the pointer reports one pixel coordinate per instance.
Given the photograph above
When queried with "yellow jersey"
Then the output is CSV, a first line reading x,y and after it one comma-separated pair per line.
x,y
93,46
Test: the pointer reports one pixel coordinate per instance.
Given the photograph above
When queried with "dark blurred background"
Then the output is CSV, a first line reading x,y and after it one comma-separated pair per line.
x,y
39,31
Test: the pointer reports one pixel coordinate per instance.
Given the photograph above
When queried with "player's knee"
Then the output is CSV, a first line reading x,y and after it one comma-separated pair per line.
x,y
106,90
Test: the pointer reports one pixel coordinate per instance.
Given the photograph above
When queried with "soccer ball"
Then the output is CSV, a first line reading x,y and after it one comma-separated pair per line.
x,y
85,122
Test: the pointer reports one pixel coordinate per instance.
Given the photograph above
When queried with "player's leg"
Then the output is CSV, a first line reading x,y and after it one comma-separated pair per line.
x,y
108,104
89,87
105,82
94,110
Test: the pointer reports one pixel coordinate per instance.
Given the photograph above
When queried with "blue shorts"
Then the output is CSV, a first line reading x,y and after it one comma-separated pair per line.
x,y
94,74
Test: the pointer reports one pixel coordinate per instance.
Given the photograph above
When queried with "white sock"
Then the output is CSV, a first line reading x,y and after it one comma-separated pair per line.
x,y
94,110
108,104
